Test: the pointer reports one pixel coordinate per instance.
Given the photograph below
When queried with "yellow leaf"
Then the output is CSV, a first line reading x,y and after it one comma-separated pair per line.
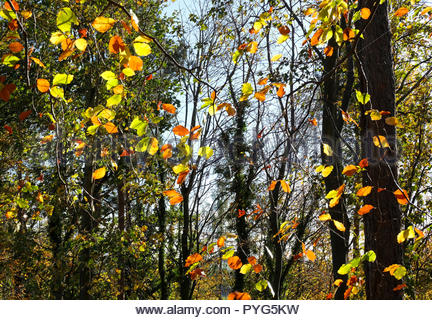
x,y
103,24
325,217
221,242
99,173
154,146
327,170
141,46
47,139
392,121
252,47
363,192
338,282
180,168
276,57
365,13
334,202
282,38
380,142
57,37
285,186
339,226
319,168
425,10
327,150
81,44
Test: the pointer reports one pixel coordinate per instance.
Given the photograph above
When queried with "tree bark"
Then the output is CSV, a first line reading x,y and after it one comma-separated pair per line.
x,y
383,223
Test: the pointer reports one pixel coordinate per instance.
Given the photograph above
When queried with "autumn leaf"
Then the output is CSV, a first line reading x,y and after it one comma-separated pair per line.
x,y
365,209
116,45
380,142
8,128
365,13
99,173
38,62
326,171
47,139
23,115
339,226
396,271
257,268
192,259
236,295
169,108
234,262
15,47
285,186
313,122
328,51
363,163
338,282
103,24
135,63
110,127
43,85
221,242
316,37
350,170
174,196
252,260
180,131
310,255
166,151
406,234
363,192
324,217
81,44
182,177
399,287
14,4
401,12
328,151
276,57
272,185
401,196
260,96
281,91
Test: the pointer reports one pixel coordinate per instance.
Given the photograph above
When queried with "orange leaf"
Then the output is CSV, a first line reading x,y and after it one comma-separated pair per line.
x,y
192,259
8,128
135,63
221,242
272,185
116,45
365,13
174,196
43,85
402,198
263,81
38,62
284,30
118,89
349,170
363,192
401,12
328,51
348,34
169,108
281,91
110,127
316,37
182,177
239,296
313,122
166,150
7,91
363,163
252,260
347,293
260,96
257,268
365,209
14,4
180,131
23,115
103,24
234,263
399,287
311,255
15,47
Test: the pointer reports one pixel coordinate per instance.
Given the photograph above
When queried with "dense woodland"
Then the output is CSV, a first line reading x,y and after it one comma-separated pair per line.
x,y
246,149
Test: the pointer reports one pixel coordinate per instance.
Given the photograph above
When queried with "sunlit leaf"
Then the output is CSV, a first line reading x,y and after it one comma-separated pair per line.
x,y
116,44
401,12
245,268
62,78
169,108
221,242
180,131
110,127
206,152
325,217
339,226
365,13
114,100
81,44
350,170
65,18
326,171
406,234
276,57
401,197
103,24
285,186
365,209
99,173
43,85
239,296
363,192
234,262
192,259
174,197
327,150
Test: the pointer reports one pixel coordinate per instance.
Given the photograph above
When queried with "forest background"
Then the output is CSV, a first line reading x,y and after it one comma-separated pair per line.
x,y
264,149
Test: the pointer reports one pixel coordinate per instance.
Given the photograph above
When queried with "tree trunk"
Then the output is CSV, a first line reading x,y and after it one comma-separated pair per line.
x,y
332,124
383,223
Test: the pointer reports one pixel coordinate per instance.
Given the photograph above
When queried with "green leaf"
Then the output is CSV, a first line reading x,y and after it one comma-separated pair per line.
x,y
369,256
108,75
261,285
62,78
65,18
10,60
345,269
93,129
363,98
142,145
228,254
400,272
139,126
236,56
114,100
355,262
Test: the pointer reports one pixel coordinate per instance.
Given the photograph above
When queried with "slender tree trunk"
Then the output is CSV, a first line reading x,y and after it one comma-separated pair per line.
x,y
383,223
121,226
161,254
332,124
185,281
